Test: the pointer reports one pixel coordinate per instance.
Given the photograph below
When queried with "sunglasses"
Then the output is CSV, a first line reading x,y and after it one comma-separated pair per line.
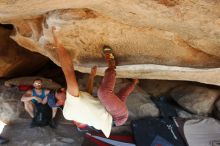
x,y
37,84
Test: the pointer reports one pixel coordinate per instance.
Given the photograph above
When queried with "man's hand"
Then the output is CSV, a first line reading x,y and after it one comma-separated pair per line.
x,y
39,100
44,101
93,70
56,41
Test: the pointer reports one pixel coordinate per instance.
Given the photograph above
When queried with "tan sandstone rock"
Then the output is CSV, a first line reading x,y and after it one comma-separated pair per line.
x,y
199,100
153,39
15,60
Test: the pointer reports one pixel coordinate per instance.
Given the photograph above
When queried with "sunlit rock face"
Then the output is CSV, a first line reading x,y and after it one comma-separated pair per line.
x,y
156,39
15,60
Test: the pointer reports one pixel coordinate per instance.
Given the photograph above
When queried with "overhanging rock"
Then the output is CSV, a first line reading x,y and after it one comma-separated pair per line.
x,y
154,39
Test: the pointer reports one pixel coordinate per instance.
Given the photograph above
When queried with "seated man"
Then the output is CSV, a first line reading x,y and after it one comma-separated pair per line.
x,y
83,107
35,97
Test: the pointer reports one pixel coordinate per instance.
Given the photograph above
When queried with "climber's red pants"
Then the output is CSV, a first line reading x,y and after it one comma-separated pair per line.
x,y
115,104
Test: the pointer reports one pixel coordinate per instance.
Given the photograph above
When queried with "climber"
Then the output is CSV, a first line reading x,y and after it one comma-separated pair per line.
x,y
34,98
82,106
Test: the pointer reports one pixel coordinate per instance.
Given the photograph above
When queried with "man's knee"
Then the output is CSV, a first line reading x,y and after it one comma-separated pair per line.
x,y
28,105
28,109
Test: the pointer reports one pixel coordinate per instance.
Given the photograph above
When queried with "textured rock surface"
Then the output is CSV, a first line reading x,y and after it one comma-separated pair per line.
x,y
159,32
15,60
20,134
10,104
157,88
199,100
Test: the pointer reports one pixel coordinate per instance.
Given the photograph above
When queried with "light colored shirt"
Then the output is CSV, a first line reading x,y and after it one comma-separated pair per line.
x,y
87,110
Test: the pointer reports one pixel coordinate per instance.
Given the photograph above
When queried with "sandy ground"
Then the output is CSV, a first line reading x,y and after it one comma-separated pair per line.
x,y
20,134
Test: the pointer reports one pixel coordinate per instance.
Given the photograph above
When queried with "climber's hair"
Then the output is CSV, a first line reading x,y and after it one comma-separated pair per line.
x,y
60,90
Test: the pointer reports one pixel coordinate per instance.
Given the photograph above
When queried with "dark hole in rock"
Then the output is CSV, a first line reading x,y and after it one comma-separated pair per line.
x,y
7,26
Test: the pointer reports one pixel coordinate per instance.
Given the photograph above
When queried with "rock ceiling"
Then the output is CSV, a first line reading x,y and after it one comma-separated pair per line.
x,y
153,39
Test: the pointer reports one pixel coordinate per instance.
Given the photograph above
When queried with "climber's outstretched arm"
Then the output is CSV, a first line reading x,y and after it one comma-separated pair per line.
x,y
67,66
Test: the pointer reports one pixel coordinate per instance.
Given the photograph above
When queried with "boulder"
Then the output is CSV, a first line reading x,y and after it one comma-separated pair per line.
x,y
186,115
196,99
157,88
140,105
153,39
10,105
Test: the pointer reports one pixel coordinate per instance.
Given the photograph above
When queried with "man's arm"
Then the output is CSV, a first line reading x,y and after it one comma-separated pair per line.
x,y
67,66
44,101
28,96
91,80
